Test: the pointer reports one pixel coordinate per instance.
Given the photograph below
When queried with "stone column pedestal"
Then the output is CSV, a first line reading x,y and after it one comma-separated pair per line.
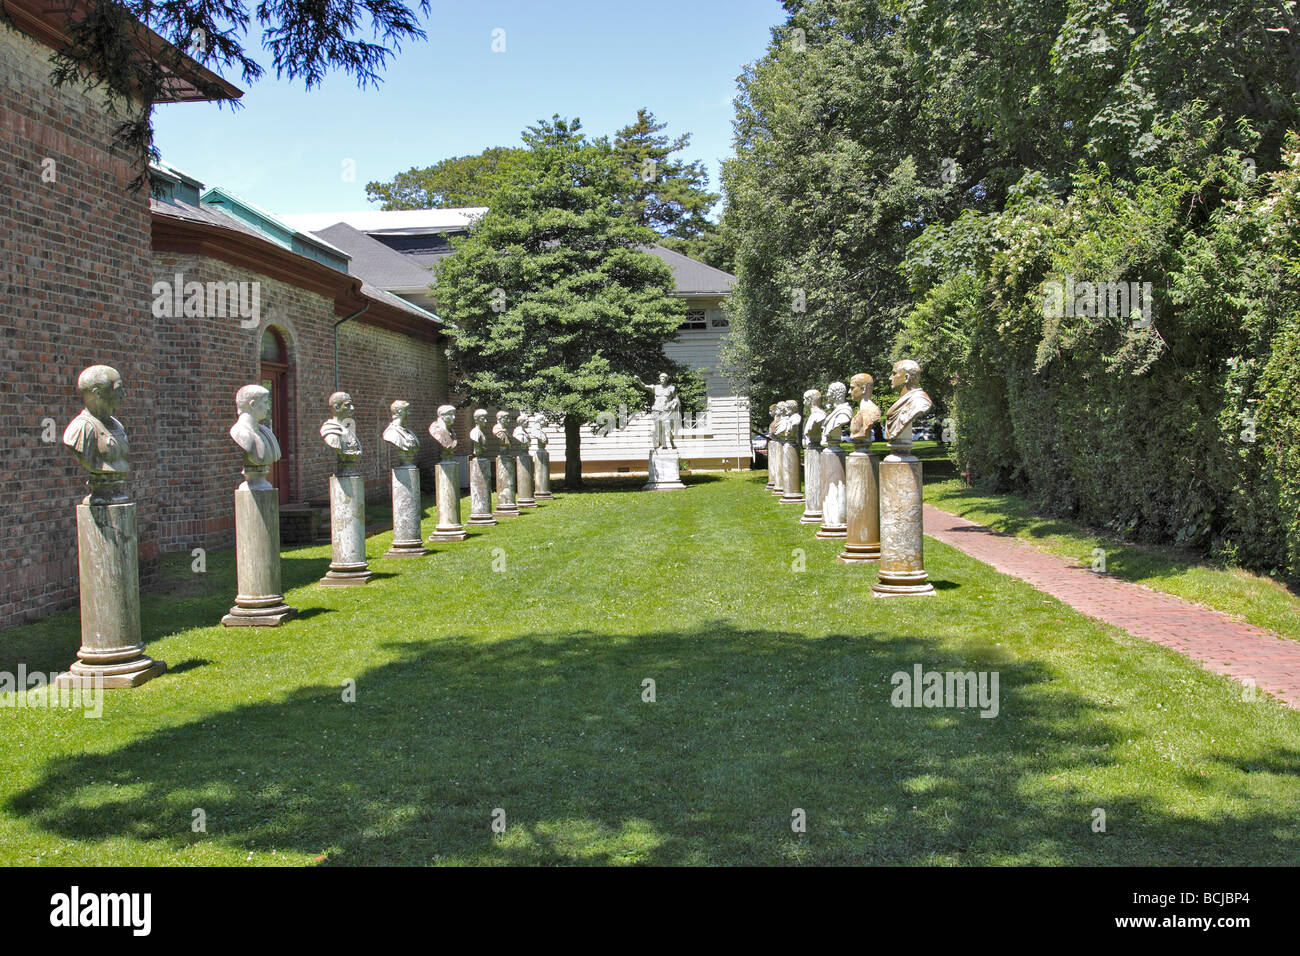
x,y
812,479
480,491
902,567
407,539
862,508
449,527
792,494
524,480
833,494
348,566
776,465
259,601
507,507
542,474
664,466
111,653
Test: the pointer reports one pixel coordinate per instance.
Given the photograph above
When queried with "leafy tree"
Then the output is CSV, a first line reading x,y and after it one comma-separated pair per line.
x,y
553,303
459,181
665,194
306,38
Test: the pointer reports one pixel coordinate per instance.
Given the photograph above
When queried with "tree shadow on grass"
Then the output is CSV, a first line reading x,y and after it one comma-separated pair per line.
x,y
553,730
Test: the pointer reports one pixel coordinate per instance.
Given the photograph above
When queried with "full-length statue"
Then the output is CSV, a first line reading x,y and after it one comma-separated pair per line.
x,y
480,472
902,560
862,478
443,432
348,566
814,417
259,601
664,463
833,490
776,459
407,508
112,651
773,464
665,411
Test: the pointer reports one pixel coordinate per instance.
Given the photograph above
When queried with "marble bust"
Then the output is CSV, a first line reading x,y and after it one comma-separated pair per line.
x,y
792,421
98,439
254,437
912,401
404,441
839,415
868,413
520,434
443,429
501,432
537,430
478,435
814,416
340,432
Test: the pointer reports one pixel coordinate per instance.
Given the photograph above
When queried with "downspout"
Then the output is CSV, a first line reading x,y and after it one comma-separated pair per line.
x,y
349,318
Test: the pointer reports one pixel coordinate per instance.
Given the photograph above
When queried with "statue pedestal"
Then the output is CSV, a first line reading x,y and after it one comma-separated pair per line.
x,y
902,568
791,493
407,541
347,532
812,479
524,480
449,527
542,474
111,653
506,479
664,466
862,508
776,465
833,494
480,491
259,601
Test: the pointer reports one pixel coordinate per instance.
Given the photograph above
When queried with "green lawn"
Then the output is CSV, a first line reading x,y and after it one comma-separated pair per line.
x,y
1254,598
521,689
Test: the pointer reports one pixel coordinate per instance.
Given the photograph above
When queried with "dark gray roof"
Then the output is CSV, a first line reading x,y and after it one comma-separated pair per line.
x,y
214,216
692,277
374,262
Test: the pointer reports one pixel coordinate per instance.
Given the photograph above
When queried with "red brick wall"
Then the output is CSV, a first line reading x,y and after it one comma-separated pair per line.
x,y
74,268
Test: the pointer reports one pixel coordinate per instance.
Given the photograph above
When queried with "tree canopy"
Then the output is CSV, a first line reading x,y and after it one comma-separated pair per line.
x,y
555,305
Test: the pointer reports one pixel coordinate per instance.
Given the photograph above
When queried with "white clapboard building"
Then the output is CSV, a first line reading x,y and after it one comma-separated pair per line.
x,y
386,245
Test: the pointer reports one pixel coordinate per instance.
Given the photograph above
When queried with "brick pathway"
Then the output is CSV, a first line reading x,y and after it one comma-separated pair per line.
x,y
1219,643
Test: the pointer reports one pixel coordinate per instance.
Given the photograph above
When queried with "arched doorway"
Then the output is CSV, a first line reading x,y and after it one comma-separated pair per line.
x,y
275,379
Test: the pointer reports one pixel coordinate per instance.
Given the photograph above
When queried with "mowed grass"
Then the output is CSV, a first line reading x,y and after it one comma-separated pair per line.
x,y
1254,598
507,673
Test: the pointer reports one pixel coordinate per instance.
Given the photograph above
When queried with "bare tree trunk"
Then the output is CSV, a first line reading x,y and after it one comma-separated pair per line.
x,y
572,453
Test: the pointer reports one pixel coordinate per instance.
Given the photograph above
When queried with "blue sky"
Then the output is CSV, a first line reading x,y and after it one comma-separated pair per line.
x,y
287,148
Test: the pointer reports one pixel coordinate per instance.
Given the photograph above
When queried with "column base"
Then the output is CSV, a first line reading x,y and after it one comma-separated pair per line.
x,y
405,550
452,534
266,615
899,590
792,501
504,513
524,504
543,496
481,520
858,553
346,577
833,533
811,517
131,674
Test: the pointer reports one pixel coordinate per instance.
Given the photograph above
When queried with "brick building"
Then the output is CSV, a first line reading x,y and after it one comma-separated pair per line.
x,y
80,259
